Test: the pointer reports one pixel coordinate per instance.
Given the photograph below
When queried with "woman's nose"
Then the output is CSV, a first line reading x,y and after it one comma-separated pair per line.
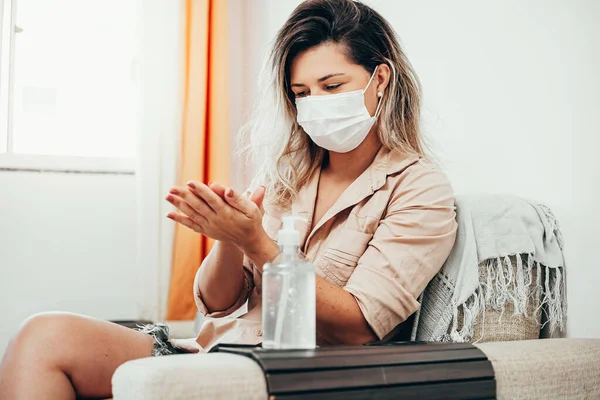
x,y
318,91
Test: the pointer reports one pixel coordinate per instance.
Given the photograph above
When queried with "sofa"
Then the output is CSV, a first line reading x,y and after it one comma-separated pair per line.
x,y
525,366
528,369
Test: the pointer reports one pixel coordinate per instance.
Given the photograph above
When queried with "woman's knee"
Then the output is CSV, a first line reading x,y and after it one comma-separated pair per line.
x,y
44,330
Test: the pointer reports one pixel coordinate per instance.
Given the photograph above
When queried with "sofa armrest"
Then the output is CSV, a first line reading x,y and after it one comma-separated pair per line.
x,y
529,369
190,376
546,368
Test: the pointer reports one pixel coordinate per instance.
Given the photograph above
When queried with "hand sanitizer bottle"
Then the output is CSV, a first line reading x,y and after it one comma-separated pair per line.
x,y
289,295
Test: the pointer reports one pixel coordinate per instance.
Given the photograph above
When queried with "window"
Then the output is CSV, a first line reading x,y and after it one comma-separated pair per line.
x,y
67,87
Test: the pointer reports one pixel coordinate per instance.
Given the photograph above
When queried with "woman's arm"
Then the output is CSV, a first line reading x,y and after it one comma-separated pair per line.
x,y
339,318
221,276
220,281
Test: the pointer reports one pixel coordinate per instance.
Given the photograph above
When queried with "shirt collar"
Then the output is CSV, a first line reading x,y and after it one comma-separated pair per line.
x,y
389,162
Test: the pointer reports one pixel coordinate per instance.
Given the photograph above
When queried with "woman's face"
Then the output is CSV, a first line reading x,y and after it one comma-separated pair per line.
x,y
325,69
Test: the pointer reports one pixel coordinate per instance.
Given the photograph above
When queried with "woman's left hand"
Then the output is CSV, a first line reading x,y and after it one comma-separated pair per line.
x,y
234,218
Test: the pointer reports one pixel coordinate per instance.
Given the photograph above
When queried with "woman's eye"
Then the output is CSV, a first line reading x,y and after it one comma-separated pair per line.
x,y
331,87
301,94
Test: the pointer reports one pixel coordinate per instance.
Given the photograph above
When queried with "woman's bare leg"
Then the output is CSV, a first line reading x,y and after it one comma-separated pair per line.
x,y
64,356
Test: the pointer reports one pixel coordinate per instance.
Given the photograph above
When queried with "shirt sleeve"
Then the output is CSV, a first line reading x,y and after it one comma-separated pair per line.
x,y
409,247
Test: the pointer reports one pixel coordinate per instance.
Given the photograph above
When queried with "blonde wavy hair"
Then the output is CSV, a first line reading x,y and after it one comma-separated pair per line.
x,y
282,154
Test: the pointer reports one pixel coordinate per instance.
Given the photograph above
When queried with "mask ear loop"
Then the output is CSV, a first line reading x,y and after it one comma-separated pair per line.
x,y
379,97
370,80
379,94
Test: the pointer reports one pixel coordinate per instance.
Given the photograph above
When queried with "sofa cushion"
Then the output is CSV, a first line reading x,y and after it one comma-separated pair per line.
x,y
190,376
546,368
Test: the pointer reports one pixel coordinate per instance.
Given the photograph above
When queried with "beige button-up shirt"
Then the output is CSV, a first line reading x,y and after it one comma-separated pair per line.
x,y
383,240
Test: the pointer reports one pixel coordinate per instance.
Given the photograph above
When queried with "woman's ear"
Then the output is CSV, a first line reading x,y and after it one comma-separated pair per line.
x,y
383,76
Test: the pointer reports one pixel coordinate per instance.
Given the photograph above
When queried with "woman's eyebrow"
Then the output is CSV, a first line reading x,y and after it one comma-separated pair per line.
x,y
324,78
330,76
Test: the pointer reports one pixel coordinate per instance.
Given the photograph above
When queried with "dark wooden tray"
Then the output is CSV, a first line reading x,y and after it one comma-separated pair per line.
x,y
390,370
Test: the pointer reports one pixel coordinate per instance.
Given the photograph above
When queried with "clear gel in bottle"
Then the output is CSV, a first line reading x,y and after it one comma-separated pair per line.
x,y
289,295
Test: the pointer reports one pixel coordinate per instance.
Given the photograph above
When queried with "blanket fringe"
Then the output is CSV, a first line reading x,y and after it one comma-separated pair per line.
x,y
500,283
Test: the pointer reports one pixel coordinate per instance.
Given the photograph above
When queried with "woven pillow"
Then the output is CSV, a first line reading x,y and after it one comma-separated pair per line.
x,y
502,325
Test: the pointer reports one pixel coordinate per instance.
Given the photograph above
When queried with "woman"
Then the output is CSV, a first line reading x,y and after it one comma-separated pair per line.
x,y
336,140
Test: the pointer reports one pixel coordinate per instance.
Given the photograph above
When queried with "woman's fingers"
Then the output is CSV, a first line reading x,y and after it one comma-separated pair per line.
x,y
258,196
218,189
200,197
239,202
183,220
195,202
185,208
205,193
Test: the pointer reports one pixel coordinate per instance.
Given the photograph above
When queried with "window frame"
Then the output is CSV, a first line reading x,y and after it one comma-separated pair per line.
x,y
11,161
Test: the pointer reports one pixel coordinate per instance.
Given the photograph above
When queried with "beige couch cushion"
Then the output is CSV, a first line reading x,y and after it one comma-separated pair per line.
x,y
546,368
190,376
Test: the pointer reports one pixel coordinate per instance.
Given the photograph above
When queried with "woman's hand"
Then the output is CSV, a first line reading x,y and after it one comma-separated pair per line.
x,y
256,197
221,214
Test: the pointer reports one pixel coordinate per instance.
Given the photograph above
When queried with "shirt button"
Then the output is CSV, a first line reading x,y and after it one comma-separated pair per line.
x,y
259,333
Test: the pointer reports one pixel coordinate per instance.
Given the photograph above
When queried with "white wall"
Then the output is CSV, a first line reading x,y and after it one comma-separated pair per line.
x,y
511,97
67,242
92,243
512,92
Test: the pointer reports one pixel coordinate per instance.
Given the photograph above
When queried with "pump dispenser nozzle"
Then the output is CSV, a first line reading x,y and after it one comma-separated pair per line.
x,y
288,234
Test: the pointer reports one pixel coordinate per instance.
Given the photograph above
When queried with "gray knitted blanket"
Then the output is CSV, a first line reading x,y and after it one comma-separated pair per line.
x,y
490,229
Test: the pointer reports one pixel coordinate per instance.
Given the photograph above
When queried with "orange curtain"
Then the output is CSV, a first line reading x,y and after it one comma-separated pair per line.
x,y
205,136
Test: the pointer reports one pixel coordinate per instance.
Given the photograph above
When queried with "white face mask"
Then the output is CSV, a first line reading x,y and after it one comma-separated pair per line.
x,y
337,122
